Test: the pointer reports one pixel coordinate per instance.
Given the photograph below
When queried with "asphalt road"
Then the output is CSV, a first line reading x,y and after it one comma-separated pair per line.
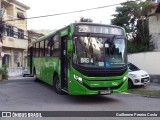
x,y
27,95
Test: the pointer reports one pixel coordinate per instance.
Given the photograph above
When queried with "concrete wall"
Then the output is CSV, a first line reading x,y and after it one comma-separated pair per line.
x,y
148,61
14,71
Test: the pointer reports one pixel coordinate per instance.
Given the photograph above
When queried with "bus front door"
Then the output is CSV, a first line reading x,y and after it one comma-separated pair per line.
x,y
64,64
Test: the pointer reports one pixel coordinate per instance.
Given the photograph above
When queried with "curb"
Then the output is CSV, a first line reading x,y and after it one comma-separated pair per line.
x,y
17,78
148,96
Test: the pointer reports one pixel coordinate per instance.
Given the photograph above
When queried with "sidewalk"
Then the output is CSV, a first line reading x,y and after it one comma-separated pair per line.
x,y
152,86
16,77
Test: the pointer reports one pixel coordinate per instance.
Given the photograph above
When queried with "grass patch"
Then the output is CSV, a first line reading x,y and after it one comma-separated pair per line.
x,y
145,92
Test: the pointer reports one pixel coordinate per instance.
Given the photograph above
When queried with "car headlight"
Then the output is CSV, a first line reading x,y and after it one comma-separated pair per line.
x,y
125,78
78,78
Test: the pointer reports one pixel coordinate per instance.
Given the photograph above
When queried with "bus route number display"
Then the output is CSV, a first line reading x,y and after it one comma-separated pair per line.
x,y
83,28
99,29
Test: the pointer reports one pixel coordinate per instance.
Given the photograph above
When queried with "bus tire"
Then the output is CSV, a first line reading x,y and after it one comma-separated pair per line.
x,y
130,84
56,85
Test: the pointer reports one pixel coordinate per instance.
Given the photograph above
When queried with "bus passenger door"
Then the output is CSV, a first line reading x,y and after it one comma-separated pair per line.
x,y
64,64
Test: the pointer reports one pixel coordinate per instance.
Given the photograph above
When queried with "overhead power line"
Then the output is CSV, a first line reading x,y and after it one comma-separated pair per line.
x,y
67,12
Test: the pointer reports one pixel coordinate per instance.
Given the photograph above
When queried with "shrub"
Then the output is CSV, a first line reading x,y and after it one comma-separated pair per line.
x,y
4,72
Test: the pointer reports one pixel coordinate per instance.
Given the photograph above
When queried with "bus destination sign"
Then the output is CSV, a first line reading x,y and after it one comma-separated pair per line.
x,y
99,29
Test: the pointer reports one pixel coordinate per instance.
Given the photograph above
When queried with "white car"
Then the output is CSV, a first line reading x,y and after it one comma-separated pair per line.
x,y
25,72
136,76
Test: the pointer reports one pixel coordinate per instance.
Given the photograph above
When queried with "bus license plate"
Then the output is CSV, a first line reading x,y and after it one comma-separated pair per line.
x,y
105,92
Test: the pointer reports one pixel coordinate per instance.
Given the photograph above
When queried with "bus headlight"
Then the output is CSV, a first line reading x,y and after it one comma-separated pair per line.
x,y
78,78
125,78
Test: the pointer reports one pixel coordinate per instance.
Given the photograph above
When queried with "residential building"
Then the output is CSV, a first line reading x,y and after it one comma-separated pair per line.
x,y
32,35
15,34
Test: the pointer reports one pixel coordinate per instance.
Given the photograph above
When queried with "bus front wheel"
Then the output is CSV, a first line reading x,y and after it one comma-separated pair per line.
x,y
56,85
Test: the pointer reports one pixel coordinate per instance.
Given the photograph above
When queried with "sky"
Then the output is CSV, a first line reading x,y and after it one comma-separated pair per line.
x,y
50,7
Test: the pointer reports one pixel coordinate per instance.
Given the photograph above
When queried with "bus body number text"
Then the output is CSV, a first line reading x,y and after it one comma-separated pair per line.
x,y
84,60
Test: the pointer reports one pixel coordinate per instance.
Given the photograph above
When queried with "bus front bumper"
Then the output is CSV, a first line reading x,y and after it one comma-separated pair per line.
x,y
80,89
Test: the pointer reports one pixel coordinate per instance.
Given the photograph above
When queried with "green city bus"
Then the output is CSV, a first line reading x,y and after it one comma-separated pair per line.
x,y
81,59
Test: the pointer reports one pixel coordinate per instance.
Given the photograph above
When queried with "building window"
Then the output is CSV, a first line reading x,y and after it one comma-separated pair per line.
x,y
6,59
15,32
16,56
20,34
9,30
20,14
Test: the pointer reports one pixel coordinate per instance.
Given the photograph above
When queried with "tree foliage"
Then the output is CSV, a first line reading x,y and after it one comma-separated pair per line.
x,y
133,16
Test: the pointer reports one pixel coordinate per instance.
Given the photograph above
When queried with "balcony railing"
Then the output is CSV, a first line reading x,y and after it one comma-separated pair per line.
x,y
14,42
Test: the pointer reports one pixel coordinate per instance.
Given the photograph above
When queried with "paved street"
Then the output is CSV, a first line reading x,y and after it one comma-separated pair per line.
x,y
27,95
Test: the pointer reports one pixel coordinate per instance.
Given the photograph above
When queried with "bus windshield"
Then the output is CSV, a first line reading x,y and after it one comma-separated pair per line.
x,y
99,51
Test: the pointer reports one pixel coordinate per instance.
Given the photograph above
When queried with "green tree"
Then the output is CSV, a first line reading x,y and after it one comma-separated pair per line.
x,y
133,16
82,19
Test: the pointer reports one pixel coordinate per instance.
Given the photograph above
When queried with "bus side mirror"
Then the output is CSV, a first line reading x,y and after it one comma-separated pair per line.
x,y
69,45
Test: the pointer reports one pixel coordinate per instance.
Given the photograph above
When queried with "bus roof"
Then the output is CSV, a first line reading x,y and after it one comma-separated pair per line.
x,y
100,24
54,32
44,37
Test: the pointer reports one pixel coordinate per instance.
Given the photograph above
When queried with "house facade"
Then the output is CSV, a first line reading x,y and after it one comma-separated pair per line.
x,y
14,33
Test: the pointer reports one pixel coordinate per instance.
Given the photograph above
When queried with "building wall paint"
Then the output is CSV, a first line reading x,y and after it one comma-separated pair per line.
x,y
148,61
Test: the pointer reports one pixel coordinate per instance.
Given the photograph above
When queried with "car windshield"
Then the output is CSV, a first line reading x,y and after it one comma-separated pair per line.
x,y
132,67
99,51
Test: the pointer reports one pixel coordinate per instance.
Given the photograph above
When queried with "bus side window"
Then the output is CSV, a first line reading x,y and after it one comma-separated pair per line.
x,y
33,50
36,50
46,48
49,47
56,47
41,48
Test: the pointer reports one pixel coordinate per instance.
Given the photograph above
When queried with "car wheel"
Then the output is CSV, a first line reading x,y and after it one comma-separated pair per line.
x,y
130,83
56,85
